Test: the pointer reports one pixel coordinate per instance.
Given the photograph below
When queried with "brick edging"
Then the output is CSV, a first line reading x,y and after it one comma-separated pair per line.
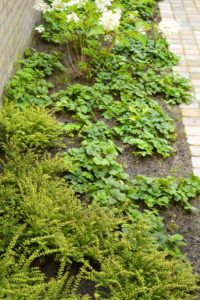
x,y
187,46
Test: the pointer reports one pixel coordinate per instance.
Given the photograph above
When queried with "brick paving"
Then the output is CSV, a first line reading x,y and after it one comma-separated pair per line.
x,y
187,46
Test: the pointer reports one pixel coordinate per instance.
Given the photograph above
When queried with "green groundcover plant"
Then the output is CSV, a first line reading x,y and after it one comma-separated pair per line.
x,y
29,85
93,168
140,122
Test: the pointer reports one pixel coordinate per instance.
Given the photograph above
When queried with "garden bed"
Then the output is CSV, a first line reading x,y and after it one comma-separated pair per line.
x,y
94,154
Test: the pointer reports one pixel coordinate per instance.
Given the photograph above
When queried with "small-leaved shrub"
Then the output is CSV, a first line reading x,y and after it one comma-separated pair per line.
x,y
32,127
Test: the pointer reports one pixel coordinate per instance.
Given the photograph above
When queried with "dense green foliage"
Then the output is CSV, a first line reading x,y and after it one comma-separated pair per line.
x,y
141,122
41,217
93,168
29,128
29,86
78,212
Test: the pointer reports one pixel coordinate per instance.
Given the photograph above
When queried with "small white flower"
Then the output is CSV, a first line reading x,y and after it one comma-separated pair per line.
x,y
40,5
110,20
102,5
72,17
40,28
169,28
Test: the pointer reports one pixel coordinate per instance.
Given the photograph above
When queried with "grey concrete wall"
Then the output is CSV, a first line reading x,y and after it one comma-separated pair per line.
x,y
17,19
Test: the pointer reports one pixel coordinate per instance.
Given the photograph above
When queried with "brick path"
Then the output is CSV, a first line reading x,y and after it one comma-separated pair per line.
x,y
187,46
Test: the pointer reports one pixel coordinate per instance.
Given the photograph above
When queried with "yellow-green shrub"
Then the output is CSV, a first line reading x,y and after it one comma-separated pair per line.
x,y
32,127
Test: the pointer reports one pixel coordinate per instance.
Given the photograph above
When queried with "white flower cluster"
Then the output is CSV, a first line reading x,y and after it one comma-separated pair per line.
x,y
110,20
57,4
169,28
78,3
102,5
40,28
72,17
40,5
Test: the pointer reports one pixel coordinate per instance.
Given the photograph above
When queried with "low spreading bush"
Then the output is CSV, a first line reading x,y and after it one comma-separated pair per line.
x,y
29,128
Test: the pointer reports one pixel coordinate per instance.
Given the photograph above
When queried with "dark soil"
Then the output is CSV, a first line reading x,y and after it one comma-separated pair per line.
x,y
188,225
50,268
178,165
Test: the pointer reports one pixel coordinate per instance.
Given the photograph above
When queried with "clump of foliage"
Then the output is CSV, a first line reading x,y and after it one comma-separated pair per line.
x,y
94,171
173,88
79,100
153,54
144,8
42,62
162,191
176,89
43,219
29,86
94,161
145,125
140,122
32,127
